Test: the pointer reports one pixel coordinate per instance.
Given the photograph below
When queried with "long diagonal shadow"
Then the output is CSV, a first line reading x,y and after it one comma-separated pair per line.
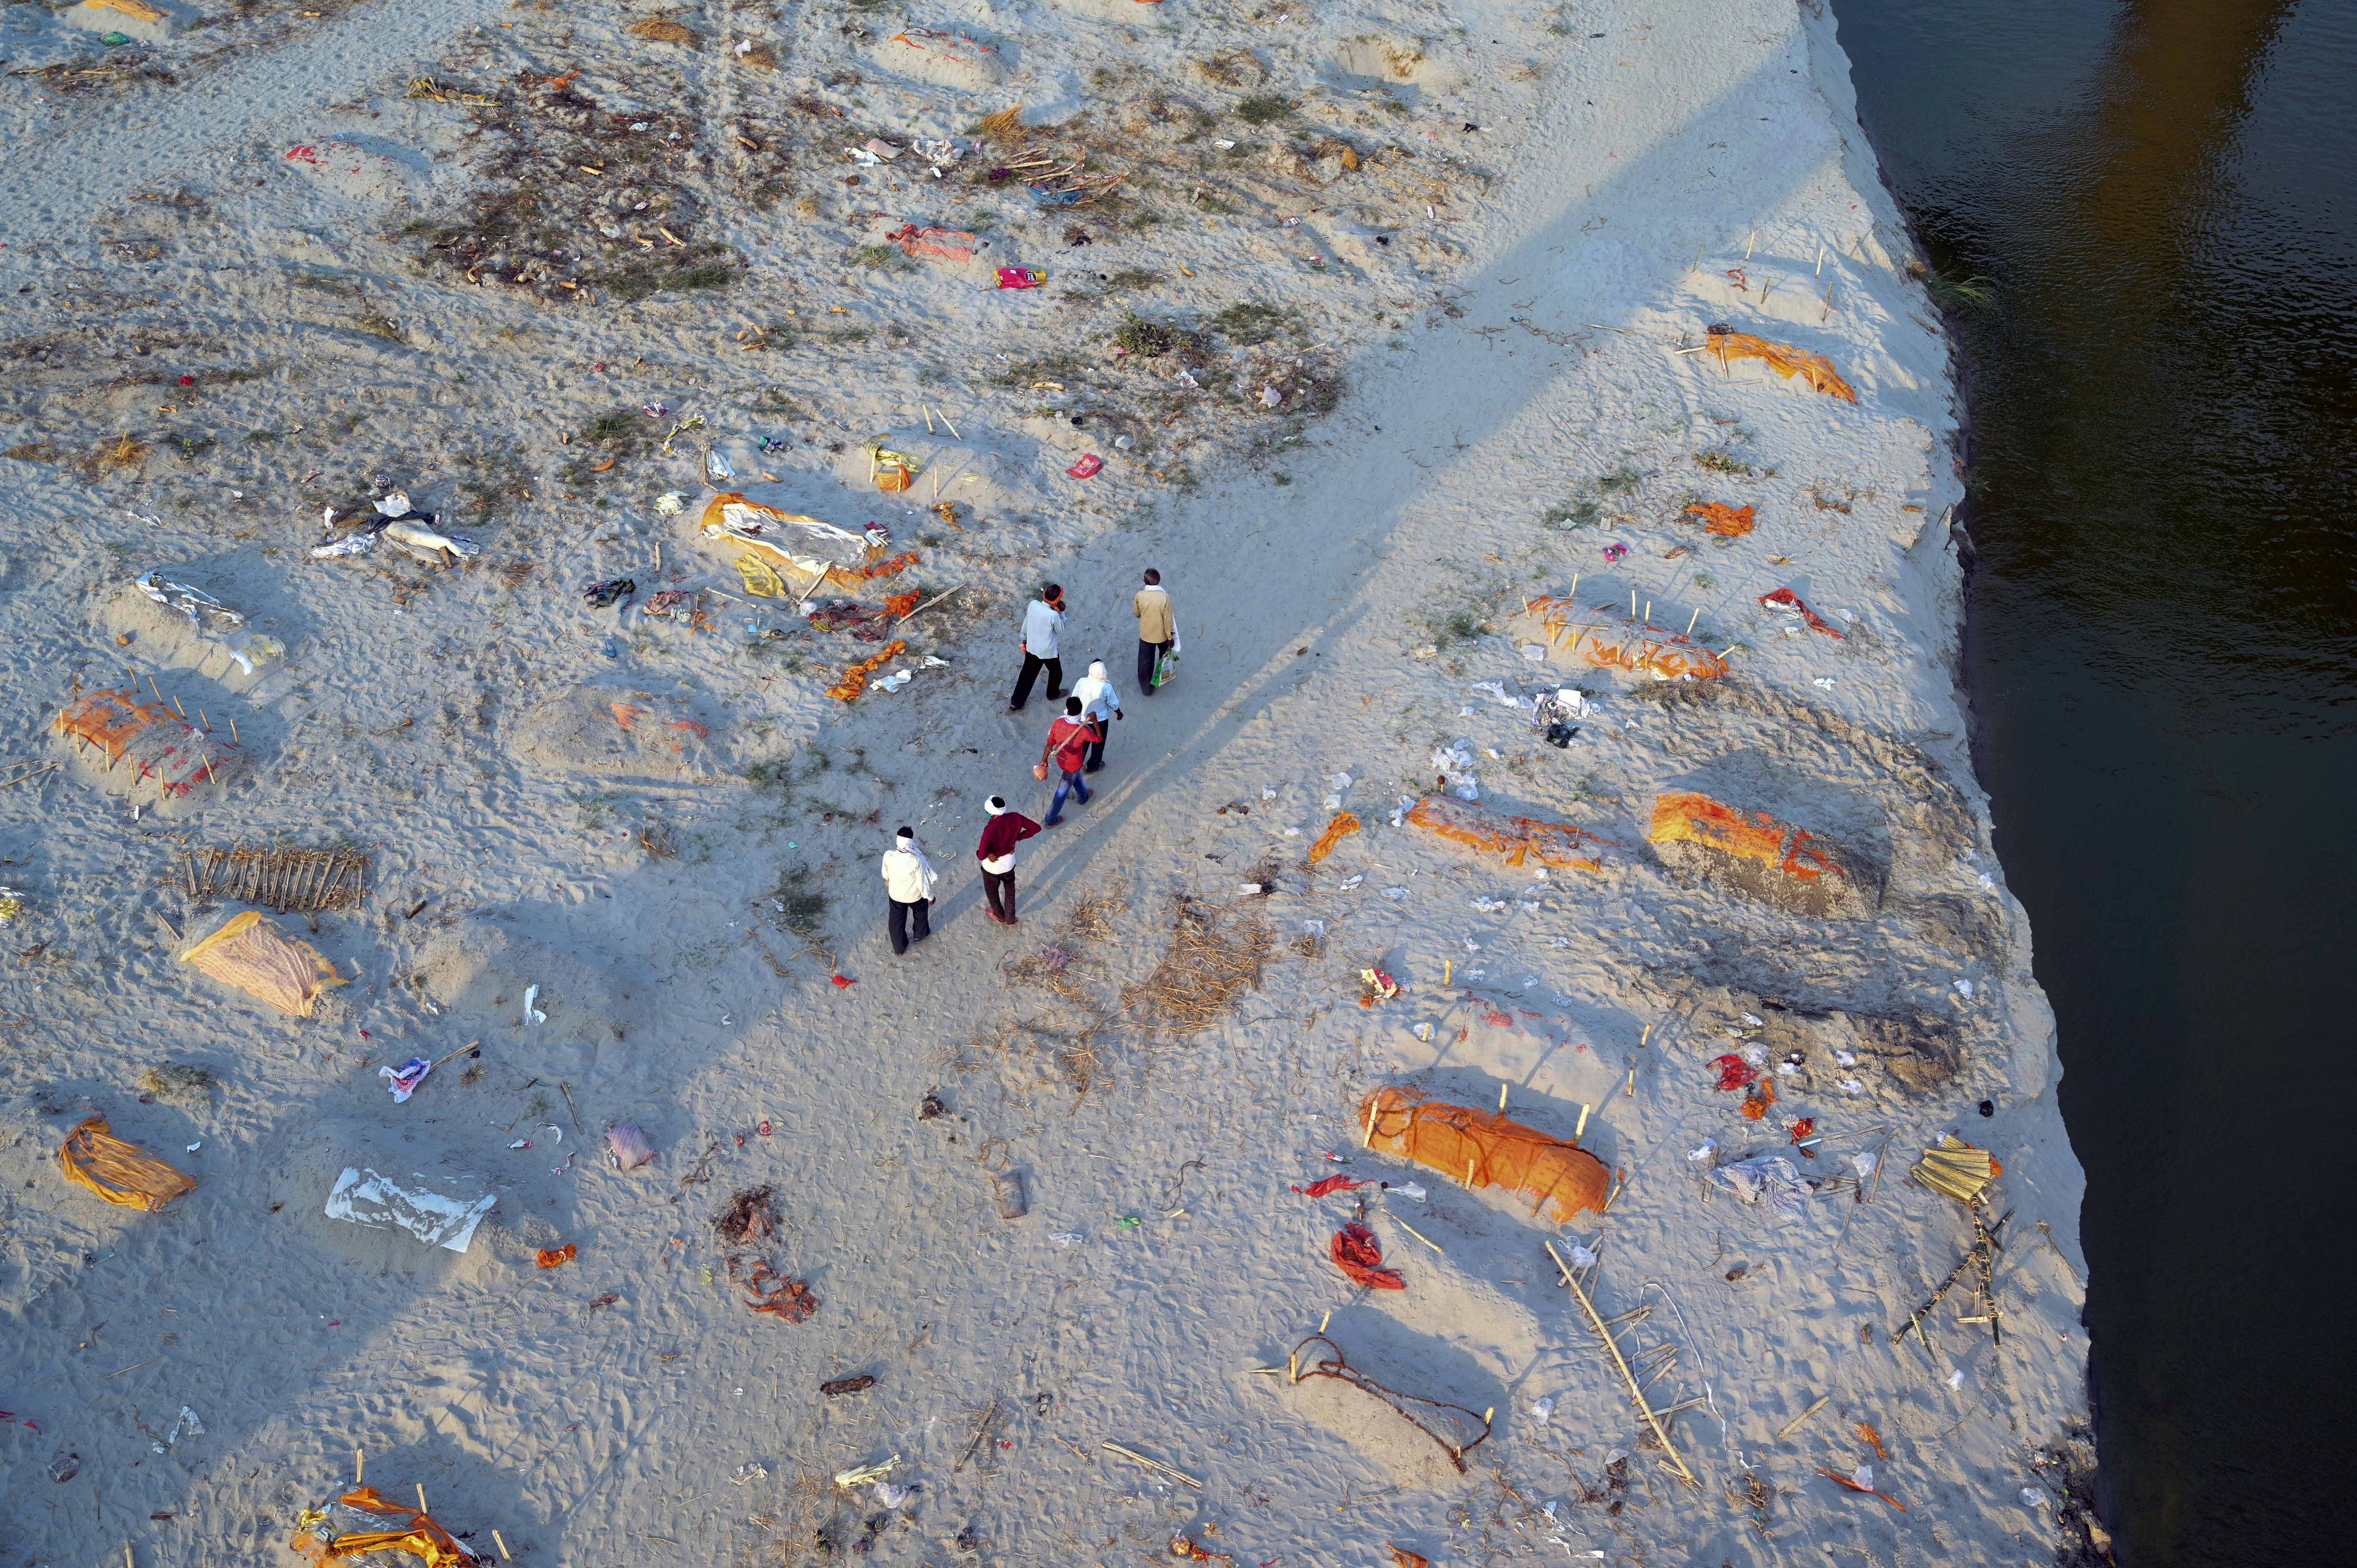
x,y
1367,490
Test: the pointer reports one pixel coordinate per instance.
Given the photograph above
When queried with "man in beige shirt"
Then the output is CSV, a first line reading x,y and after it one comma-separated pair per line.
x,y
1157,629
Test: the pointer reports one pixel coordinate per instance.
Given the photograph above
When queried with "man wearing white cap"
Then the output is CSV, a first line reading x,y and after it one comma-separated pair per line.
x,y
1004,830
909,881
1099,702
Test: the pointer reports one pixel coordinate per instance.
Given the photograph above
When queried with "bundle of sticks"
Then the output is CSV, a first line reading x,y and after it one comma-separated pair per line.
x,y
297,881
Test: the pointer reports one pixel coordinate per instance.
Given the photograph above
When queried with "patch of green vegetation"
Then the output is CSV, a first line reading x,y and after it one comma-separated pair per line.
x,y
1266,109
1213,204
887,257
256,437
1280,479
1621,481
1251,323
1063,369
1131,277
604,443
1719,460
699,267
1581,511
1152,338
179,1083
1973,292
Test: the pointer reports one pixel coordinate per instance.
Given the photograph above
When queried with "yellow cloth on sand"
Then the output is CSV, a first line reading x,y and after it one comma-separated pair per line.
x,y
250,955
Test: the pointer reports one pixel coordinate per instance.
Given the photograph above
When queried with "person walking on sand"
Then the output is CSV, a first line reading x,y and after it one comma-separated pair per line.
x,y
1043,623
1004,830
1158,631
1067,744
1098,699
909,879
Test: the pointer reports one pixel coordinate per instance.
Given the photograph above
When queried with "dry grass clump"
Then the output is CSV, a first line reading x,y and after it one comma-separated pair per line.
x,y
1041,1049
113,457
1090,919
1215,957
664,30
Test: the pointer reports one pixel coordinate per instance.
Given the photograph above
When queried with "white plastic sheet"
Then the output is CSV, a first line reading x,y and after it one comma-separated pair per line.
x,y
377,1202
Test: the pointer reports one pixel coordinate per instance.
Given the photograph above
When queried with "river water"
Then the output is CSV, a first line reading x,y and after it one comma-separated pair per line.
x,y
2158,200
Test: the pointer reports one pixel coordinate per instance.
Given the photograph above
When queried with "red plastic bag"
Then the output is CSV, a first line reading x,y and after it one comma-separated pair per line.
x,y
1329,1184
1734,1072
1086,467
1358,1254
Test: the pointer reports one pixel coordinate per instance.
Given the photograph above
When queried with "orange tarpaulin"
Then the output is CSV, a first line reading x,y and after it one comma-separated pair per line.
x,y
1343,825
157,742
1782,358
1787,866
1727,522
1483,1148
250,953
1519,839
411,1531
1610,641
92,1157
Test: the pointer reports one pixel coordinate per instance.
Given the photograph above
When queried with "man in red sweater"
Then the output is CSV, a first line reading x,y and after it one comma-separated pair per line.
x,y
1004,830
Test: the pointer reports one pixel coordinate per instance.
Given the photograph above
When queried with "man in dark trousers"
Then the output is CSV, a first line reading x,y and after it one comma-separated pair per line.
x,y
1004,830
1157,629
909,879
1043,623
1067,744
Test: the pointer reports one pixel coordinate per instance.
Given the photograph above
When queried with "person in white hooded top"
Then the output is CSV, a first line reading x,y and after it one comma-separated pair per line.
x,y
1099,702
909,879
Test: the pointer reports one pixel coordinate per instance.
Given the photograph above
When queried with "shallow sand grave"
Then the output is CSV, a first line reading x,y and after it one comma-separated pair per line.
x,y
1039,1182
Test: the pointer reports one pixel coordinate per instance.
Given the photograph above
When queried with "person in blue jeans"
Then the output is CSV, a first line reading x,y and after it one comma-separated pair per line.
x,y
1069,739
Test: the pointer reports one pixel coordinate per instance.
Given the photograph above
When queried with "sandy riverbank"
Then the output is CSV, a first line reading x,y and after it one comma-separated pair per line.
x,y
1414,306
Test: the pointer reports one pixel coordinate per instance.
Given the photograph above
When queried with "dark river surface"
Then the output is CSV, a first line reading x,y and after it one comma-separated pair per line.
x,y
2157,202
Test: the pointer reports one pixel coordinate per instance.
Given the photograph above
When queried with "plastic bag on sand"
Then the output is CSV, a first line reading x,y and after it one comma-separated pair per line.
x,y
629,1145
375,1201
94,1157
1770,1177
250,955
341,1530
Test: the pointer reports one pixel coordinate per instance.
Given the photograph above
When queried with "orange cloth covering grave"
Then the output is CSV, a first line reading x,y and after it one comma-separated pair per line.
x,y
159,743
1612,640
1519,839
413,1531
1782,358
1786,865
92,1157
1481,1148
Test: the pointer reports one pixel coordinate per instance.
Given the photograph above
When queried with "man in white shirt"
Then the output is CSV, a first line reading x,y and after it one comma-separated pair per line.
x,y
1099,703
1043,623
909,881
